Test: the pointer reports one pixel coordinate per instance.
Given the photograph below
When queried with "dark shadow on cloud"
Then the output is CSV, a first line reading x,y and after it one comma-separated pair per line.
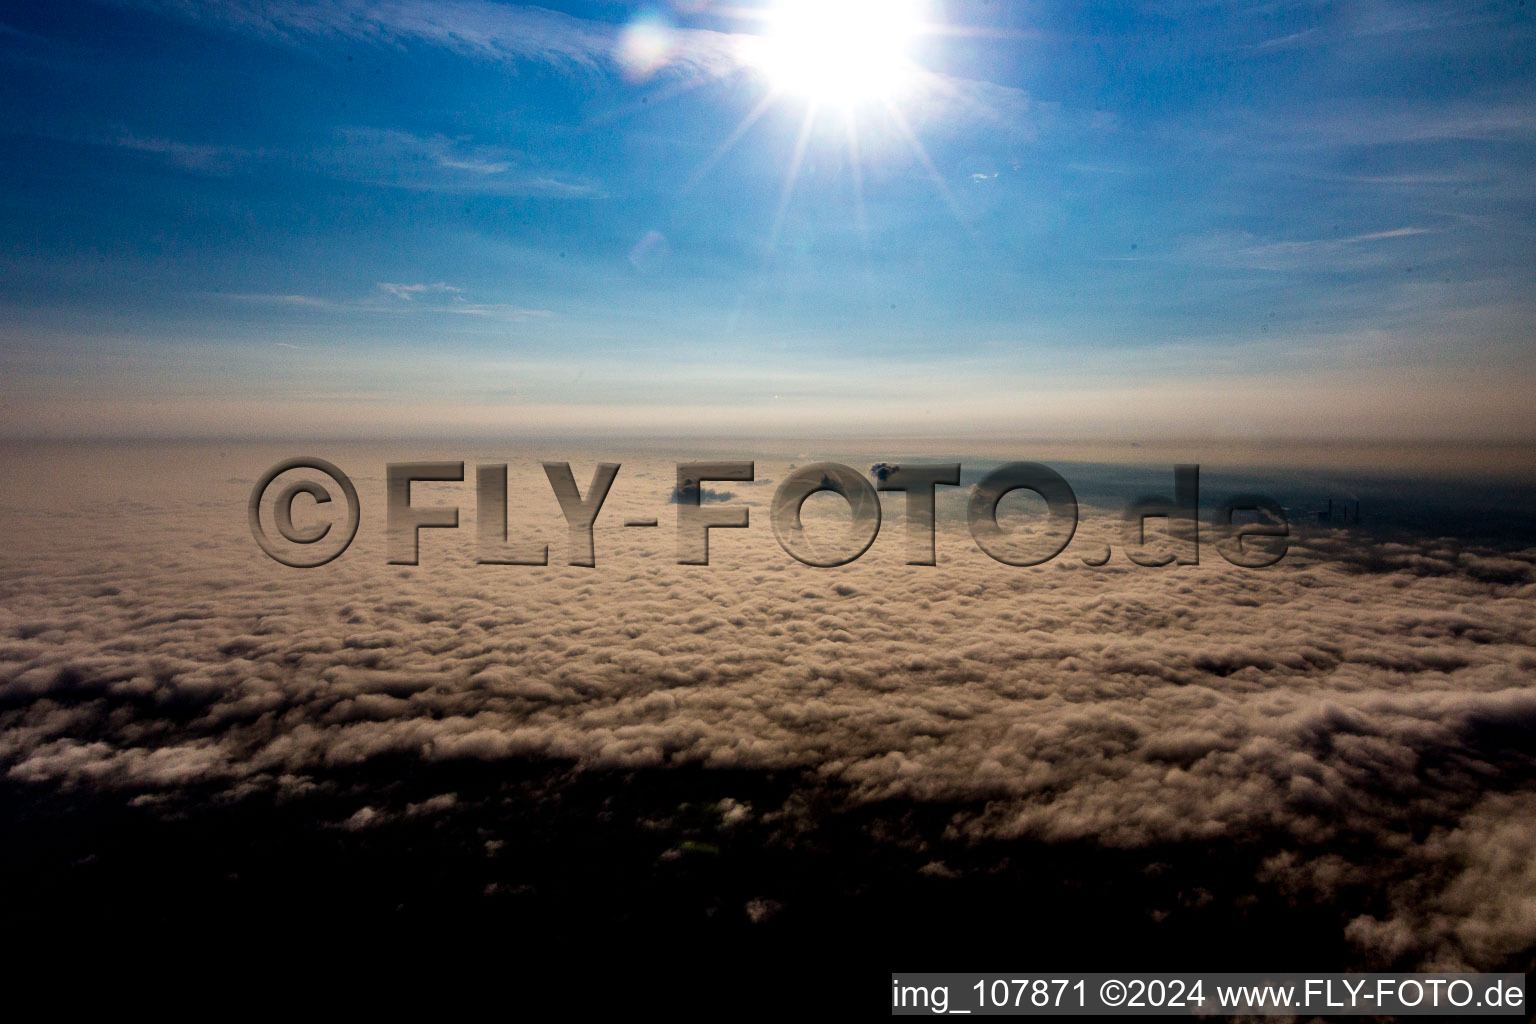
x,y
691,492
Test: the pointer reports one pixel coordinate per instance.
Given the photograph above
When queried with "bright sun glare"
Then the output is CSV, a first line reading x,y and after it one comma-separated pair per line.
x,y
841,51
850,62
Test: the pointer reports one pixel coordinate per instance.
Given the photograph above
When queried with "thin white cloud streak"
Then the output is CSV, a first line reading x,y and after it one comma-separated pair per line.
x,y
204,158
398,159
383,157
1242,249
410,291
1403,26
399,299
1348,124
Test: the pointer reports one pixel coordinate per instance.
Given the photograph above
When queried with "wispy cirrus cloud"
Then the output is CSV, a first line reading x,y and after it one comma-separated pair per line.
x,y
1400,25
499,32
399,159
1305,130
1241,249
395,299
215,159
385,157
410,291
472,27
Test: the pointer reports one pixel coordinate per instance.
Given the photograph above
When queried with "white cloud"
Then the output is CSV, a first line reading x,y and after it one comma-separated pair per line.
x,y
410,291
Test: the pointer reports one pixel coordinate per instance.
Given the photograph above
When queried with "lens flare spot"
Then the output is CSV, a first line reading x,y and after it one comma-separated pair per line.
x,y
646,46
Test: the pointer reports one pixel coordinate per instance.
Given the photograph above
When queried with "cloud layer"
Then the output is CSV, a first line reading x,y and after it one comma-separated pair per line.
x,y
1358,689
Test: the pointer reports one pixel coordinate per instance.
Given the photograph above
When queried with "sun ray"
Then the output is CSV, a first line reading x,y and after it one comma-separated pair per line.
x,y
616,114
791,175
921,152
741,129
856,168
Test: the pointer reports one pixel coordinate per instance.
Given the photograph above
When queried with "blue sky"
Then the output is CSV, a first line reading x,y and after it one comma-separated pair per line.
x,y
1118,220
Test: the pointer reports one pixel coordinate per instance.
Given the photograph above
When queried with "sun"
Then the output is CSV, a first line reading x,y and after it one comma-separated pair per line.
x,y
848,65
840,51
